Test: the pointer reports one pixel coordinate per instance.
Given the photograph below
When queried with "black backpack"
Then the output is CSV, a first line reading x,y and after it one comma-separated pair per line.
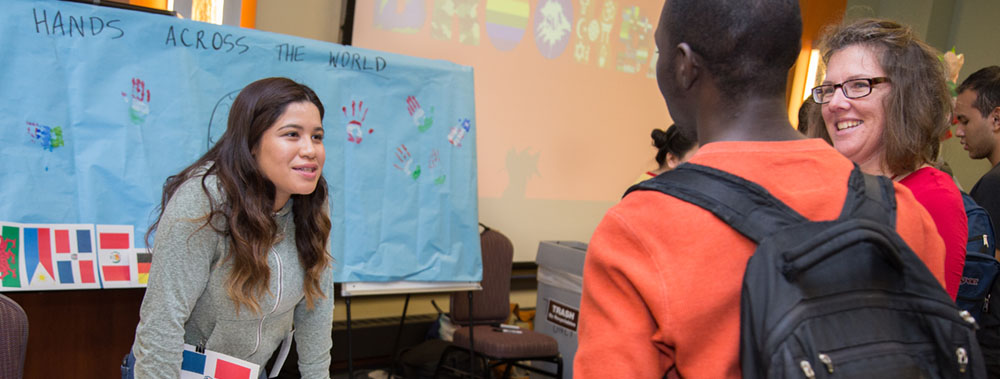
x,y
841,298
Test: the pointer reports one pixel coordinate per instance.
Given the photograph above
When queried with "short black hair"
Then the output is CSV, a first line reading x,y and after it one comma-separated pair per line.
x,y
748,45
986,83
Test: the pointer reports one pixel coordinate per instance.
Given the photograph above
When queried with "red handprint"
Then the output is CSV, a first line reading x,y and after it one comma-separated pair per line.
x,y
357,116
404,157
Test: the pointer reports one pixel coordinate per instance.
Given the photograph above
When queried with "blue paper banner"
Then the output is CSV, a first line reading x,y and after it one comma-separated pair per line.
x,y
99,105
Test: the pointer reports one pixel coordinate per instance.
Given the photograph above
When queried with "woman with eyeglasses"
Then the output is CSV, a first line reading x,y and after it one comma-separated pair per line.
x,y
885,105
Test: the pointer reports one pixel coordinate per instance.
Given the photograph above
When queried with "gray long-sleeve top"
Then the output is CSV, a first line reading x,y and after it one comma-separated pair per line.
x,y
186,299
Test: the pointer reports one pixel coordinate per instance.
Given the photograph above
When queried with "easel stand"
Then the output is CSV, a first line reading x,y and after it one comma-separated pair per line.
x,y
349,290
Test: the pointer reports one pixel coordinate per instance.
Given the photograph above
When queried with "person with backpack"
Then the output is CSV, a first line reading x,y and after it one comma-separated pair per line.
x,y
885,104
977,110
663,277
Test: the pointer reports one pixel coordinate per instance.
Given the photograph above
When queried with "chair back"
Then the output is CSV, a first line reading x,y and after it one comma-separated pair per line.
x,y
13,338
492,303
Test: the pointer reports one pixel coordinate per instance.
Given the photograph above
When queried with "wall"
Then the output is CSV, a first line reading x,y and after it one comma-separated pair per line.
x,y
973,32
967,25
815,17
315,19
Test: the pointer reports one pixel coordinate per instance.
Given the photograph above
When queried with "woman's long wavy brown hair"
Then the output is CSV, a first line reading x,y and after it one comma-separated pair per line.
x,y
248,196
918,107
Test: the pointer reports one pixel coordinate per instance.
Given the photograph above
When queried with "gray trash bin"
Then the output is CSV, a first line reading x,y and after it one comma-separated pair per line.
x,y
560,283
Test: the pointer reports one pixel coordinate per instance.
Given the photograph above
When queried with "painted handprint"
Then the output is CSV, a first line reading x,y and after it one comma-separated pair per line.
x,y
357,116
432,165
138,101
420,120
48,138
406,162
458,131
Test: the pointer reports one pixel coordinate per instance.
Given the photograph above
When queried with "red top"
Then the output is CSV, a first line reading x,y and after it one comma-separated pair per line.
x,y
937,192
662,278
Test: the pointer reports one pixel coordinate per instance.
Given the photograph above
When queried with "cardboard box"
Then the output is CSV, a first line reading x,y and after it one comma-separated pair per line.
x,y
560,281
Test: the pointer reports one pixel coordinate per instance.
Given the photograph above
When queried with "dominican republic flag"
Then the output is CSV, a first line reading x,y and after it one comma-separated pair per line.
x,y
10,256
115,255
210,364
75,256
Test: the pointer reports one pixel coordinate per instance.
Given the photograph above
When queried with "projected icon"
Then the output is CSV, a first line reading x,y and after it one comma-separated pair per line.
x,y
553,27
505,22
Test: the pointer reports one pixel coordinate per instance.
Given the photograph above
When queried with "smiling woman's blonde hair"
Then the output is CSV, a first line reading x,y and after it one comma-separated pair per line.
x,y
245,213
918,106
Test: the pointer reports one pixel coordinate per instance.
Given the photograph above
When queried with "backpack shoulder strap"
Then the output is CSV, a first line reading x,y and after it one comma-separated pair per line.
x,y
870,197
744,205
753,211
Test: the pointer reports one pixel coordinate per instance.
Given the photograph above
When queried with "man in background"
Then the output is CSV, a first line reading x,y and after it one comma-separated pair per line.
x,y
978,112
662,278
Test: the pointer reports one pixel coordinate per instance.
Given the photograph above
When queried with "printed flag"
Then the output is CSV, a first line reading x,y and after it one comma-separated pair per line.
x,y
143,259
75,256
211,364
115,255
37,247
10,256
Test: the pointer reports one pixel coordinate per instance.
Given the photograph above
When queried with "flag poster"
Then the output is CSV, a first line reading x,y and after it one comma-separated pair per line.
x,y
116,255
47,257
75,256
37,256
101,132
10,256
210,364
143,261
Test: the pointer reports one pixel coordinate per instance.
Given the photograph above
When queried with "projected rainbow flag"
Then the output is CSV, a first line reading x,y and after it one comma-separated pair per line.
x,y
505,22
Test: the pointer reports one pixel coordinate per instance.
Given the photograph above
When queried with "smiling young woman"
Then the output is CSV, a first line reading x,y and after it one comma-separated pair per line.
x,y
241,249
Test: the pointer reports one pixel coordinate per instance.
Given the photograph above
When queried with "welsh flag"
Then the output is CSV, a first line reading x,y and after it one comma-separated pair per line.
x,y
10,256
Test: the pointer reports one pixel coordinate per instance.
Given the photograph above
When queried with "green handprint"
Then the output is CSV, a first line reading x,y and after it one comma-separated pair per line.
x,y
420,120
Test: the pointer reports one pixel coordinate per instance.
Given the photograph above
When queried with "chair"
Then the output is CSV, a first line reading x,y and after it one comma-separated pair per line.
x,y
491,307
13,338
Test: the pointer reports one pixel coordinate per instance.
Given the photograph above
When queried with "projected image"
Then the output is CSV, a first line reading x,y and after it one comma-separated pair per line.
x,y
505,22
553,28
464,13
401,16
636,37
550,76
593,31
